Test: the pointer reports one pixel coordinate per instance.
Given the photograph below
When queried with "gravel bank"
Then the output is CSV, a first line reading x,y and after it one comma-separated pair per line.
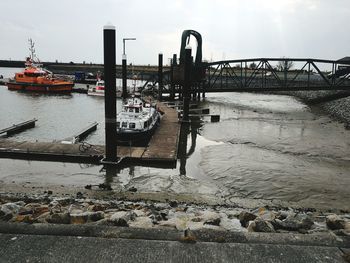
x,y
335,103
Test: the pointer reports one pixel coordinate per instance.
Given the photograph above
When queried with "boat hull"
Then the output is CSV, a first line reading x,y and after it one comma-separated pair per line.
x,y
59,87
136,138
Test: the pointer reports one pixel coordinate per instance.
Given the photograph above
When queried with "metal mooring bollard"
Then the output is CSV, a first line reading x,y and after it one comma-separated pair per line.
x,y
110,92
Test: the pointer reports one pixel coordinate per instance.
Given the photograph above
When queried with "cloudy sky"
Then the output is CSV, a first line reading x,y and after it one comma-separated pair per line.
x,y
71,30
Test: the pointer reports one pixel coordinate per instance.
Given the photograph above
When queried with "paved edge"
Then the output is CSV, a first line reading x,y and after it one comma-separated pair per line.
x,y
206,235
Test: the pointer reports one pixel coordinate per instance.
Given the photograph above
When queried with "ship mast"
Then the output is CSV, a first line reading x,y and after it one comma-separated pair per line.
x,y
31,49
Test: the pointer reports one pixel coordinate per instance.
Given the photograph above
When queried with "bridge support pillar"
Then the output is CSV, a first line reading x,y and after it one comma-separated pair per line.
x,y
160,76
110,93
187,84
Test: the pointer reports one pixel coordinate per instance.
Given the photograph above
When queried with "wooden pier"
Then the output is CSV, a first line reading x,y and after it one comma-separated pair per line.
x,y
161,149
15,128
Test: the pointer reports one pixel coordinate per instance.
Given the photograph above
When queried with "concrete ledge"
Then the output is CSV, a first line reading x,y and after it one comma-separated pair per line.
x,y
326,239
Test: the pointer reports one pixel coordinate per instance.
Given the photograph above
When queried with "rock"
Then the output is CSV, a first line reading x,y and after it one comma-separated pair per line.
x,y
121,218
214,222
79,195
49,192
263,226
341,232
281,215
334,222
120,222
24,219
78,219
288,224
294,223
307,223
95,216
251,226
97,207
265,214
244,217
10,208
42,218
54,209
59,218
231,224
141,222
173,203
132,189
25,211
20,203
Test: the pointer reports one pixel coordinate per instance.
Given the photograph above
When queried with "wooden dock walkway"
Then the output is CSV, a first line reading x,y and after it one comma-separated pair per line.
x,y
162,147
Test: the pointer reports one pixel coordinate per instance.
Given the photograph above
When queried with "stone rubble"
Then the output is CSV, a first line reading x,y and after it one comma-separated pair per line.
x,y
173,215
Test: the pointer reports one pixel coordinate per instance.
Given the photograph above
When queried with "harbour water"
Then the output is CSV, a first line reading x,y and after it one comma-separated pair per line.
x,y
265,147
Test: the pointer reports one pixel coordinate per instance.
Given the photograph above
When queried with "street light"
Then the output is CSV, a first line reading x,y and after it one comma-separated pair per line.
x,y
124,39
124,73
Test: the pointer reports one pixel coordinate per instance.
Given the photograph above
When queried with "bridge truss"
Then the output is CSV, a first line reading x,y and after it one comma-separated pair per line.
x,y
276,74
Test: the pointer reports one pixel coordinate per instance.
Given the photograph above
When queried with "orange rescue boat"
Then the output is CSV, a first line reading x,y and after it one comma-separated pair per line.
x,y
36,78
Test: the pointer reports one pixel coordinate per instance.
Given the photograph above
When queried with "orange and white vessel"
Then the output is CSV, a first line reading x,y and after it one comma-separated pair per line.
x,y
36,78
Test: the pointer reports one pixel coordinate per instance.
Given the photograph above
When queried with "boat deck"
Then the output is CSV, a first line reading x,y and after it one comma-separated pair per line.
x,y
162,147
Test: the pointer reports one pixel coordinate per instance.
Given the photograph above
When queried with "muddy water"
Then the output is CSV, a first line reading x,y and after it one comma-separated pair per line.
x,y
265,147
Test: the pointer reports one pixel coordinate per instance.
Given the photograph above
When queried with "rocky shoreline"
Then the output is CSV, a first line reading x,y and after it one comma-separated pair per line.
x,y
334,103
171,215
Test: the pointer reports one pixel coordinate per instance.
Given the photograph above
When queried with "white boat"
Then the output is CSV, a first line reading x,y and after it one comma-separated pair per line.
x,y
136,122
98,89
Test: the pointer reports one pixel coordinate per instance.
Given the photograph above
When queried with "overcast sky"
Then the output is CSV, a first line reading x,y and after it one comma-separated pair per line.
x,y
72,30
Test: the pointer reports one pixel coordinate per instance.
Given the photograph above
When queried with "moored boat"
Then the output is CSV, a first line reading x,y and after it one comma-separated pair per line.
x,y
36,78
136,122
98,89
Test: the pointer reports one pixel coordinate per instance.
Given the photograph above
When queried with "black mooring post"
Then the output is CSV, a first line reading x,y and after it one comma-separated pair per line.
x,y
187,83
110,92
124,76
160,75
172,83
172,93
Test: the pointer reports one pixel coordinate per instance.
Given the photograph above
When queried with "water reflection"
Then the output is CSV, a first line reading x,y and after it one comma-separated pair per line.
x,y
187,129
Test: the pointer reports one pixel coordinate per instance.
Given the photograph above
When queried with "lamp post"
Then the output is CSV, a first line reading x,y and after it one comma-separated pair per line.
x,y
124,73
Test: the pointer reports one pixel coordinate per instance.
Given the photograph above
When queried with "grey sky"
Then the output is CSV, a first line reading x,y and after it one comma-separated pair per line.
x,y
71,30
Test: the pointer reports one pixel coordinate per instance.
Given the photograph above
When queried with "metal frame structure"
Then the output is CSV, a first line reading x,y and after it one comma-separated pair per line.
x,y
236,75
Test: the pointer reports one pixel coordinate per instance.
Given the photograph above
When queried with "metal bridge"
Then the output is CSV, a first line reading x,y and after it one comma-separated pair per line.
x,y
257,74
276,74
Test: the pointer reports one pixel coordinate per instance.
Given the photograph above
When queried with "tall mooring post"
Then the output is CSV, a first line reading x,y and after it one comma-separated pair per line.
x,y
124,70
172,83
160,75
124,91
187,83
110,92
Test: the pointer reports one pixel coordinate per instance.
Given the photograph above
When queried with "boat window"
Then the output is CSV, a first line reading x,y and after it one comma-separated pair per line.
x,y
137,110
124,124
132,125
20,75
118,124
145,124
131,110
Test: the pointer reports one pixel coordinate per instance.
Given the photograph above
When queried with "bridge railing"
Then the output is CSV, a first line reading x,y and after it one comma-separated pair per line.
x,y
265,74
